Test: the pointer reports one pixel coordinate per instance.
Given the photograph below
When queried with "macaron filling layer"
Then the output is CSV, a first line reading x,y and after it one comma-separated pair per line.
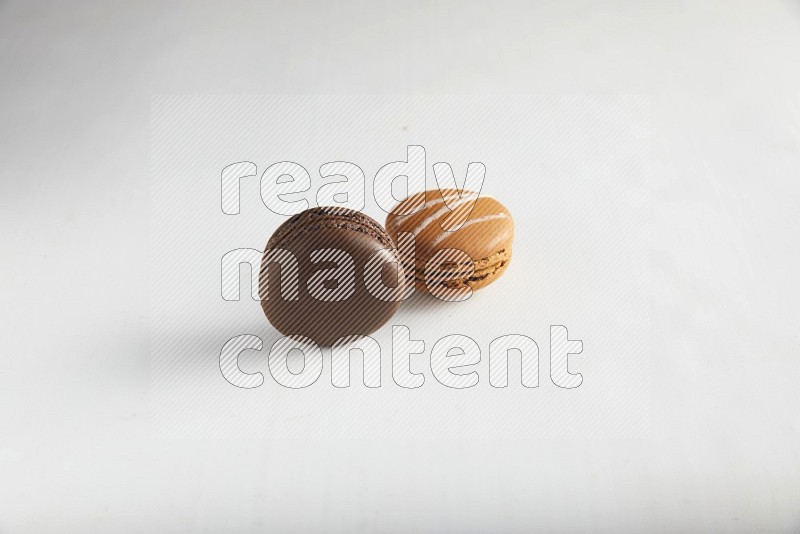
x,y
449,274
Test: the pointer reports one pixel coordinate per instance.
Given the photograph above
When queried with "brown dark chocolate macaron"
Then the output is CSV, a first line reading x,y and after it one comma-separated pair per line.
x,y
312,281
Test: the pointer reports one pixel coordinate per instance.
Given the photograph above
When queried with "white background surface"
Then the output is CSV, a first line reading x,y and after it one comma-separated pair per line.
x,y
78,450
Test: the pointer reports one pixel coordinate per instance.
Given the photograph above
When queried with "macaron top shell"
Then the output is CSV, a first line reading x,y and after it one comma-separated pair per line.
x,y
485,232
329,216
307,236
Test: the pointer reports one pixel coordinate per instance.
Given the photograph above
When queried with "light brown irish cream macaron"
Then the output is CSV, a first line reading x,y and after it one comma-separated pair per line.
x,y
478,226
